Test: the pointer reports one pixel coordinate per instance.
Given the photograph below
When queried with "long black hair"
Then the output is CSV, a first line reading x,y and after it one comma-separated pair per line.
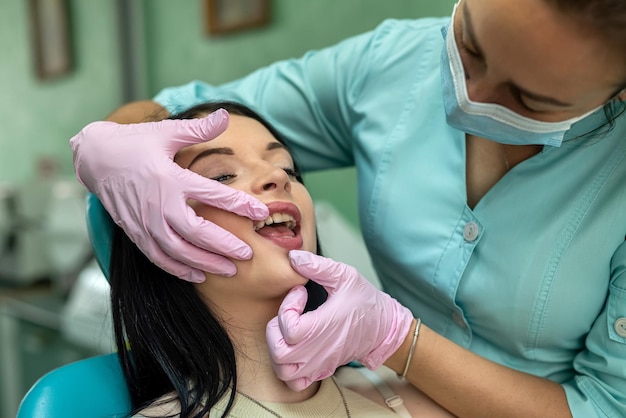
x,y
168,340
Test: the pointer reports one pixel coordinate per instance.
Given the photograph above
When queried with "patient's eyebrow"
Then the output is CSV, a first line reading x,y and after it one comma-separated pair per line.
x,y
229,151
211,151
275,145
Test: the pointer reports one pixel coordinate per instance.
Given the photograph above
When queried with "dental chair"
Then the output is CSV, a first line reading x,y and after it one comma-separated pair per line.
x,y
93,387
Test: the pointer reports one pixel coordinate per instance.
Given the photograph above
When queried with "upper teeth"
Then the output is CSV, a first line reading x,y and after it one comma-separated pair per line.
x,y
277,218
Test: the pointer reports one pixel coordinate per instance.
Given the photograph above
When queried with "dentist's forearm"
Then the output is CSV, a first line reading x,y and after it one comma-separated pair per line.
x,y
136,112
471,386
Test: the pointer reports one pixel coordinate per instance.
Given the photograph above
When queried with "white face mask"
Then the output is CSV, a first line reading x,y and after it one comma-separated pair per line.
x,y
489,120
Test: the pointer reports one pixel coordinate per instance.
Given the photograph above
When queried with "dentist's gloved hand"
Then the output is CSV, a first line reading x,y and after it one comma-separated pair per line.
x,y
131,170
357,322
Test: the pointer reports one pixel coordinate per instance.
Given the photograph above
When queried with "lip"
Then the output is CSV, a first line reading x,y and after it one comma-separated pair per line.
x,y
290,243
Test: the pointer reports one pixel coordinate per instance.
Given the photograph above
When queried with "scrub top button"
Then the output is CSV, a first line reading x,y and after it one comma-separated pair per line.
x,y
470,231
620,327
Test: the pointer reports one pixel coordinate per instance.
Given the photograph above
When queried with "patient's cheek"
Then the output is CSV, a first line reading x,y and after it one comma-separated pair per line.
x,y
196,206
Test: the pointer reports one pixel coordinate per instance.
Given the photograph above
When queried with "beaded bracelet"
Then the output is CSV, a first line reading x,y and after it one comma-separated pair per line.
x,y
416,332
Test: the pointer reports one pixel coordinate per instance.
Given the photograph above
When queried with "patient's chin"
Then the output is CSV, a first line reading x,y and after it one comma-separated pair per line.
x,y
273,273
290,278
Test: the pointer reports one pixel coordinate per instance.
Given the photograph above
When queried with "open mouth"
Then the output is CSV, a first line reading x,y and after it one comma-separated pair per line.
x,y
282,226
282,221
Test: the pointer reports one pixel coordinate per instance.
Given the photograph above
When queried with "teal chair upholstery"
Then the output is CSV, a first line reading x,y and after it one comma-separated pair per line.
x,y
93,387
100,229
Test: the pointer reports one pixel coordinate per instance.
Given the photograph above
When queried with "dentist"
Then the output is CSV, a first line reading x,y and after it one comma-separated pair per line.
x,y
491,158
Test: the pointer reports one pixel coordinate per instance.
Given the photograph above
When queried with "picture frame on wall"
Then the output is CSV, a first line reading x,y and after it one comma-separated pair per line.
x,y
227,16
51,38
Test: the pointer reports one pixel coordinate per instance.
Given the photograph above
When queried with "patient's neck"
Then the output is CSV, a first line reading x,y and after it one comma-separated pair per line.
x,y
246,326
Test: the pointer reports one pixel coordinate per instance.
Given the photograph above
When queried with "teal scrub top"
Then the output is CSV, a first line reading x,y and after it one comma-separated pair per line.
x,y
533,277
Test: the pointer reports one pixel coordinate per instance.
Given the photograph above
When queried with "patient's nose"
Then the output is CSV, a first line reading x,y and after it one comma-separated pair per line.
x,y
274,179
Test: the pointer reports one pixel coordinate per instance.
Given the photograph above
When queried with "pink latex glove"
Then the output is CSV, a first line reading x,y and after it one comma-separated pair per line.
x,y
131,170
357,322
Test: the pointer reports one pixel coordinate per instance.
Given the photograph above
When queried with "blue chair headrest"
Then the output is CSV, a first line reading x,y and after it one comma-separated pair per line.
x,y
100,228
93,387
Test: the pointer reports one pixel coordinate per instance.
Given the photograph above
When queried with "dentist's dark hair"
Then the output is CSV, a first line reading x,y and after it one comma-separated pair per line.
x,y
607,20
169,343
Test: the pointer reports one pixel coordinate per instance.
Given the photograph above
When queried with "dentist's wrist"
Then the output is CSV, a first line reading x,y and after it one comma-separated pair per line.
x,y
398,360
407,363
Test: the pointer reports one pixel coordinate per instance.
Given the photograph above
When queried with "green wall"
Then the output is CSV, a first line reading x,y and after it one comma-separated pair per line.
x,y
37,118
179,51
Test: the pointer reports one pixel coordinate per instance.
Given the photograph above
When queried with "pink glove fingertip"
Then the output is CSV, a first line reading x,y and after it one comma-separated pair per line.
x,y
286,372
289,315
274,338
321,270
224,269
195,276
300,384
300,258
256,211
214,124
223,197
239,251
294,301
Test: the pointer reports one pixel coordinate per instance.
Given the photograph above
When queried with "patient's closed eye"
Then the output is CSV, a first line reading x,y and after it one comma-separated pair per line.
x,y
224,178
291,172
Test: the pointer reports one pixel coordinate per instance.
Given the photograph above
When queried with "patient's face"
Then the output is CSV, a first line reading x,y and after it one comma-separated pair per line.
x,y
247,157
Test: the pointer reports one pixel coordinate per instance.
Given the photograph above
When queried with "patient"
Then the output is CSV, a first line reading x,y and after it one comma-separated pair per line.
x,y
191,344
